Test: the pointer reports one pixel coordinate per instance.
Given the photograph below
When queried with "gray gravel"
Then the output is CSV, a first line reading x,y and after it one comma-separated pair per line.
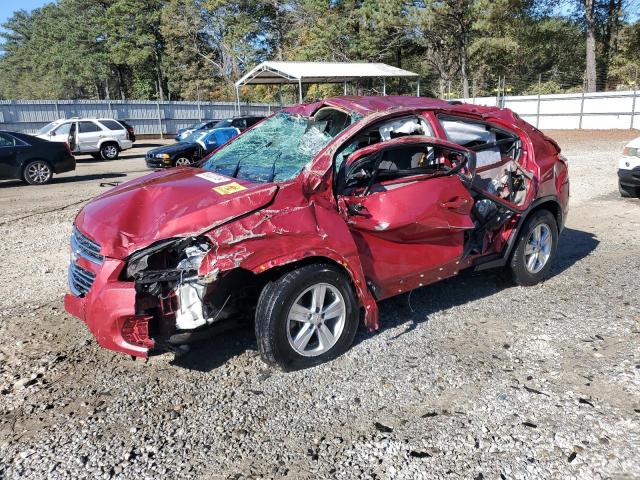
x,y
469,378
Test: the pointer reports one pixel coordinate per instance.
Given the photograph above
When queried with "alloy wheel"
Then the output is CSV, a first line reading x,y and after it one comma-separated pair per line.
x,y
38,173
182,161
316,320
538,248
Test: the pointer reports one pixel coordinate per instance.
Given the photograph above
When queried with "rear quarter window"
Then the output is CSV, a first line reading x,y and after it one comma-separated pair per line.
x,y
111,125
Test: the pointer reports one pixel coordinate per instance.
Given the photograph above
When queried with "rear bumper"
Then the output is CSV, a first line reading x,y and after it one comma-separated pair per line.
x,y
66,164
109,308
125,144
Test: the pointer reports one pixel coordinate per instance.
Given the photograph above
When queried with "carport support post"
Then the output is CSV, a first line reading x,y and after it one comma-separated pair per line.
x,y
384,87
159,120
57,111
345,88
238,98
418,88
300,89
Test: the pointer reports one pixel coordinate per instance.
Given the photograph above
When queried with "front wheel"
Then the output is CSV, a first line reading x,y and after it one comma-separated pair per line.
x,y
109,151
536,248
182,162
37,172
306,317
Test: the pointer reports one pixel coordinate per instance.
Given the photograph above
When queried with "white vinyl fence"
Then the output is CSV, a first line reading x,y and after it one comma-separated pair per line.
x,y
146,117
598,111
606,110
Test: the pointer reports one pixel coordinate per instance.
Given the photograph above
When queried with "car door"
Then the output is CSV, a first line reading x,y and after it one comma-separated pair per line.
x,y
89,136
7,156
408,206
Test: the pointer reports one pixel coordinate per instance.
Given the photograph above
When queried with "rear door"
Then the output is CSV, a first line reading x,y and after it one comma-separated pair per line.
x,y
408,206
8,164
89,136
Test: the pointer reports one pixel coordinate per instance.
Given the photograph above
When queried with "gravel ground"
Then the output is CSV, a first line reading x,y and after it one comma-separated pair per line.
x,y
469,378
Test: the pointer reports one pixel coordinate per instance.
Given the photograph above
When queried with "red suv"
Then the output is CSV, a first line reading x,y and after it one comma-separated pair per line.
x,y
308,219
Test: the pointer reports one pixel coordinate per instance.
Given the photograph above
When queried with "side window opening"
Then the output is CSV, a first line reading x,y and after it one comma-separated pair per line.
x,y
111,125
63,129
385,131
88,127
498,170
392,168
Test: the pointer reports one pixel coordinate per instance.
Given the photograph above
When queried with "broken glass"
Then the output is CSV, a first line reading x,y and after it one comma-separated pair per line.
x,y
275,150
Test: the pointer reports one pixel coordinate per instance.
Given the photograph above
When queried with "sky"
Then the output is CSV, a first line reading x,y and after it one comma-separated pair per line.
x,y
7,7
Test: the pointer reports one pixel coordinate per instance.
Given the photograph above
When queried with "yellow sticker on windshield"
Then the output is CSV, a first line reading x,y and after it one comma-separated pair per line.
x,y
229,188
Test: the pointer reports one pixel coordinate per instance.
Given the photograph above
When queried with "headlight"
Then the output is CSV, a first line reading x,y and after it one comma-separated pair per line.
x,y
631,152
164,156
170,256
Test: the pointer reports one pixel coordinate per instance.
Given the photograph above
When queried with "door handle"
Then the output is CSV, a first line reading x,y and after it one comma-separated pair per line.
x,y
455,204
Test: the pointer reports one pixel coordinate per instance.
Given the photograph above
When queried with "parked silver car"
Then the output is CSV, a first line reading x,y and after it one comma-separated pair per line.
x,y
103,138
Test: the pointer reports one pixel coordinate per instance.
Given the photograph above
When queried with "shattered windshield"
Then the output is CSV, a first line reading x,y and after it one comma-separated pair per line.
x,y
275,150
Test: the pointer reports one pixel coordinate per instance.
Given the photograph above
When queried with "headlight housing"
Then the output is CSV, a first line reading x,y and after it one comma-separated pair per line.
x,y
164,156
180,256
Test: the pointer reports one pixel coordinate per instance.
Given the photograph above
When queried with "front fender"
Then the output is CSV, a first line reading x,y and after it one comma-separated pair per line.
x,y
271,238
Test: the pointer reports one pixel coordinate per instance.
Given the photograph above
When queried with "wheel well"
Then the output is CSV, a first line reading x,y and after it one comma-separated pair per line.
x,y
553,207
110,142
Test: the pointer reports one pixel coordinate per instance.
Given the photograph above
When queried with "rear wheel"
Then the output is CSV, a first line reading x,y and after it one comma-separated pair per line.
x,y
37,172
109,151
535,249
306,317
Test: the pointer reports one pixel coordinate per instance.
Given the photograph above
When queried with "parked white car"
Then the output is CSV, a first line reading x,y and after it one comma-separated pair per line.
x,y
103,138
629,170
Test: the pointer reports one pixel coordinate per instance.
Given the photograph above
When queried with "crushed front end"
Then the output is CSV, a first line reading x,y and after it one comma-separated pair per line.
x,y
154,299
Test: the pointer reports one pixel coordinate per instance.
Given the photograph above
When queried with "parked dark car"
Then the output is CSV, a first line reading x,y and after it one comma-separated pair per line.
x,y
200,126
33,159
193,148
130,130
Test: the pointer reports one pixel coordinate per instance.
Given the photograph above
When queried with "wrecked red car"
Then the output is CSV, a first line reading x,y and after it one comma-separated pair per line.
x,y
307,220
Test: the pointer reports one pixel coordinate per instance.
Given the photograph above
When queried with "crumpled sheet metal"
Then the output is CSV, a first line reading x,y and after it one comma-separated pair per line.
x,y
284,233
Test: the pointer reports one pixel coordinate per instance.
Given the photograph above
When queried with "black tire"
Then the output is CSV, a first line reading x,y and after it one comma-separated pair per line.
x,y
624,193
96,155
37,172
109,151
520,273
275,303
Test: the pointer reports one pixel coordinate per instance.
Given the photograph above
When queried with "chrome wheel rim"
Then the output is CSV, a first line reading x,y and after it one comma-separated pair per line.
x,y
39,172
316,320
182,162
110,151
538,248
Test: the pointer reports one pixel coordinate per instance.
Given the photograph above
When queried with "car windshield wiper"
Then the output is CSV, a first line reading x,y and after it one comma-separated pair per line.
x,y
237,169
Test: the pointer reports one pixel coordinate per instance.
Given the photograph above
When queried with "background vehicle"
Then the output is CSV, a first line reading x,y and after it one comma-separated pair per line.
x,y
130,130
629,170
191,149
310,218
241,123
183,133
32,159
102,138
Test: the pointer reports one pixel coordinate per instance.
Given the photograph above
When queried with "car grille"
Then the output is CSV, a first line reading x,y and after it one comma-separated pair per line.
x,y
80,280
83,246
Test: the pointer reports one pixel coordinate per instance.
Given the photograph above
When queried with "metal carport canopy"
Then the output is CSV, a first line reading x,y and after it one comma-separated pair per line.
x,y
279,73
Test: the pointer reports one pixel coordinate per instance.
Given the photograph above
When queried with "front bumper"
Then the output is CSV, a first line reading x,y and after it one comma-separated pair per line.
x,y
158,162
108,309
629,177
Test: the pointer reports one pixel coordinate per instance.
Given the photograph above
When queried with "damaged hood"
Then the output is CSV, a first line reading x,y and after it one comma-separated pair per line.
x,y
172,203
